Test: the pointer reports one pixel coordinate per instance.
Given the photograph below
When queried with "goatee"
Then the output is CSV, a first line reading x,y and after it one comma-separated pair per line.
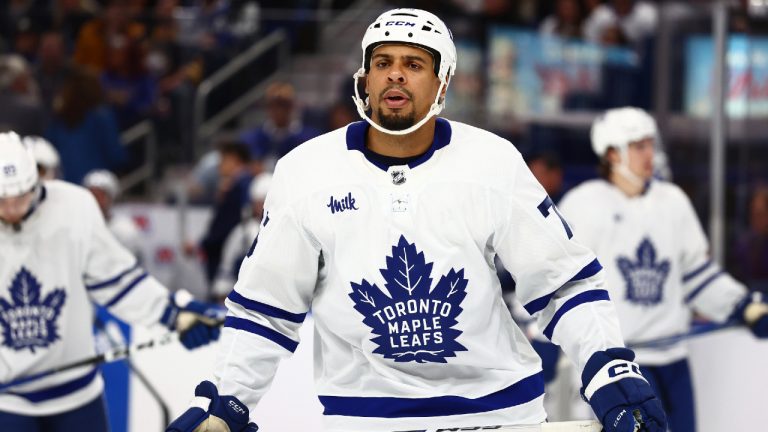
x,y
395,121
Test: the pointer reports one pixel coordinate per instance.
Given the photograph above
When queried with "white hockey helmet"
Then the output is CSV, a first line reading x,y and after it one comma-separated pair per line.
x,y
414,27
18,170
43,151
104,180
619,127
260,187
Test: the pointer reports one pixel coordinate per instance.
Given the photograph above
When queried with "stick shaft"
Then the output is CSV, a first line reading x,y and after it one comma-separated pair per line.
x,y
698,330
106,357
571,426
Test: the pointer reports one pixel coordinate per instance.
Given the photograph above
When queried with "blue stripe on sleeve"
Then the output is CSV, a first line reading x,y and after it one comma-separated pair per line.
x,y
111,281
258,329
523,391
265,308
126,290
701,286
697,271
581,298
588,271
60,390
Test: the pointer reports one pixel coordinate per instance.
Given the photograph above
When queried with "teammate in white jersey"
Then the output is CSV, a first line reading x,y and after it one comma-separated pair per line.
x,y
105,188
388,229
655,253
56,257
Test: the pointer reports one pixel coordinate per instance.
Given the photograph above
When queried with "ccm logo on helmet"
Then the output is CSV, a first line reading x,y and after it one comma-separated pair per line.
x,y
400,23
623,368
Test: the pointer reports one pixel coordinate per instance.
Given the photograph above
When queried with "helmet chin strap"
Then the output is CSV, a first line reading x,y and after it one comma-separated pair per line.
x,y
622,168
434,109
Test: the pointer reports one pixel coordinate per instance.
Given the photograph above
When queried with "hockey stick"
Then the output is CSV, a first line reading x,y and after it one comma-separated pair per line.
x,y
696,330
106,357
164,408
571,426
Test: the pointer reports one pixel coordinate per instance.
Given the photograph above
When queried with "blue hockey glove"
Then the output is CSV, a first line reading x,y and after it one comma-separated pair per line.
x,y
198,323
210,412
753,311
619,395
550,354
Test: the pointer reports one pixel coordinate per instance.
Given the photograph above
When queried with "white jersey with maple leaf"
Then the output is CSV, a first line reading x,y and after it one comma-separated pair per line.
x,y
656,261
63,259
397,265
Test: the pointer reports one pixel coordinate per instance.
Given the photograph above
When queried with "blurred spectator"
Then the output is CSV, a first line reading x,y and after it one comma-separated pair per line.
x,y
204,179
127,86
177,71
341,114
749,259
18,16
281,132
234,180
83,129
113,29
69,16
20,106
242,237
621,21
567,20
548,170
46,157
105,188
52,66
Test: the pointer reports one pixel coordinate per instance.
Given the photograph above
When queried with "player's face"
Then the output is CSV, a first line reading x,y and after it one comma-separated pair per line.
x,y
640,155
401,85
13,209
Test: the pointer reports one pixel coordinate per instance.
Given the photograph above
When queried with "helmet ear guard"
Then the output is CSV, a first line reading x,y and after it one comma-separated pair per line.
x,y
417,28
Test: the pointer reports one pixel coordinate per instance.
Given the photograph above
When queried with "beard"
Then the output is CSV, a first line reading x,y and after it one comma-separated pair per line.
x,y
396,122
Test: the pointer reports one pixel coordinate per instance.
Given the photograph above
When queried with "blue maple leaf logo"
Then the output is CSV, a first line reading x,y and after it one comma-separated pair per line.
x,y
413,322
29,322
645,277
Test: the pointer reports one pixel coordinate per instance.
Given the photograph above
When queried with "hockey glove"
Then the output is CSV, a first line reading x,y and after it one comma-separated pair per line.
x,y
619,395
210,412
753,311
198,323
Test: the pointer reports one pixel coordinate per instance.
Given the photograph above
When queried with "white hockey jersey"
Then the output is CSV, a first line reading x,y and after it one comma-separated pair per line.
x,y
397,266
63,259
656,261
126,231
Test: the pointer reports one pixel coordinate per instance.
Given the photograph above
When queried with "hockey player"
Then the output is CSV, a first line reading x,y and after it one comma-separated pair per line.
x,y
46,156
56,257
655,253
105,188
388,228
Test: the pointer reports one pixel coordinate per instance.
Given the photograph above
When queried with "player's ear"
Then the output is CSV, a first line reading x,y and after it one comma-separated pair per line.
x,y
612,156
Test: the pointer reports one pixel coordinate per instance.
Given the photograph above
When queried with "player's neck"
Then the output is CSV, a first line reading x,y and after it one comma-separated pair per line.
x,y
628,187
401,146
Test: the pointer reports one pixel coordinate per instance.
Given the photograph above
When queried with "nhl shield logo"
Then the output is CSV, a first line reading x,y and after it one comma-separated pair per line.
x,y
412,320
398,177
645,277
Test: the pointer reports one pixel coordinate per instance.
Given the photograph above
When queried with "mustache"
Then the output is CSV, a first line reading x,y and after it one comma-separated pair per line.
x,y
398,88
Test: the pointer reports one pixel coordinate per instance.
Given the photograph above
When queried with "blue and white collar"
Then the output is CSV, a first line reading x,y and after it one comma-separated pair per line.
x,y
357,131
